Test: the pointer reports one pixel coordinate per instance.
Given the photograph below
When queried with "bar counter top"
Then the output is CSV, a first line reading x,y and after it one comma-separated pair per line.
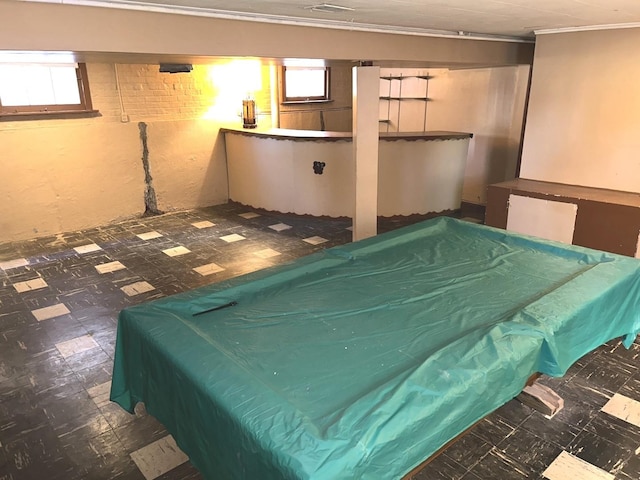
x,y
316,135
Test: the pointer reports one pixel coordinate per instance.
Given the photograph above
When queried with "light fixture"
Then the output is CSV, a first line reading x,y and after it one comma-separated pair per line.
x,y
175,67
249,113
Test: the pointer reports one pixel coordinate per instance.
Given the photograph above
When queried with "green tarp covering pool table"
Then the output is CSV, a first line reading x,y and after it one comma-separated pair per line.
x,y
361,361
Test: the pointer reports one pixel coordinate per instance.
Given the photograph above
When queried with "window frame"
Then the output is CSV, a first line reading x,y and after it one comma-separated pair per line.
x,y
85,105
284,99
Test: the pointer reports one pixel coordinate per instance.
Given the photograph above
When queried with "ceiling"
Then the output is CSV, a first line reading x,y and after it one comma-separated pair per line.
x,y
510,18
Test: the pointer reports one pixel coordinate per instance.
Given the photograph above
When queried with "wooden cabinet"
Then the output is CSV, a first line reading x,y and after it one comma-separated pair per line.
x,y
607,220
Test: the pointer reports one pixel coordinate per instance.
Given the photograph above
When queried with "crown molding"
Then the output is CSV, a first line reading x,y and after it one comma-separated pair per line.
x,y
587,28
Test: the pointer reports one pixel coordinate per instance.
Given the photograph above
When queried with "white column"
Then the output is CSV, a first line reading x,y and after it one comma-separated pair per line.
x,y
366,92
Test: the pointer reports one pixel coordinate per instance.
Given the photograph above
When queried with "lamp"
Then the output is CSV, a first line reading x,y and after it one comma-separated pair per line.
x,y
249,113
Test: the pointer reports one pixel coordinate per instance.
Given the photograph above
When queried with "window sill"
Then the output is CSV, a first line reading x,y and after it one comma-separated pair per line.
x,y
56,114
303,102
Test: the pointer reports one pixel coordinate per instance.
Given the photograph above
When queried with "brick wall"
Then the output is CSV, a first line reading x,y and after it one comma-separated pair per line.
x,y
145,94
148,94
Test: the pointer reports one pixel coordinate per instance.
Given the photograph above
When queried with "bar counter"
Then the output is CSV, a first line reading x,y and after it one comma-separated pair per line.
x,y
313,172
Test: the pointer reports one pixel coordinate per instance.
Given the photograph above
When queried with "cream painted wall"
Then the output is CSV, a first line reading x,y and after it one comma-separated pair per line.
x,y
488,102
59,178
68,174
584,110
188,164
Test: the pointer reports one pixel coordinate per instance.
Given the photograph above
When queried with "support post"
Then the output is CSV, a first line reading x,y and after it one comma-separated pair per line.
x,y
366,92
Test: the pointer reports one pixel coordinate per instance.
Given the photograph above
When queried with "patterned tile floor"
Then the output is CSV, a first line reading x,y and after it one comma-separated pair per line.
x,y
59,301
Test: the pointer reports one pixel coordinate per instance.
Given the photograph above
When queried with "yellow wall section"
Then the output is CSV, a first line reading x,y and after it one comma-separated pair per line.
x,y
58,178
68,174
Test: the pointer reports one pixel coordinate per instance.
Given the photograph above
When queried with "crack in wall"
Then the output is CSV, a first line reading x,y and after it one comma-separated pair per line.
x,y
150,202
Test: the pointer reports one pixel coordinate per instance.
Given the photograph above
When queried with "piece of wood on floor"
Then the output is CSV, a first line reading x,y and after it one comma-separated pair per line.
x,y
541,398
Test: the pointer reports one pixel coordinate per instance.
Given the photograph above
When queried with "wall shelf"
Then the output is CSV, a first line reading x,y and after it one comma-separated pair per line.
x,y
393,92
424,99
403,77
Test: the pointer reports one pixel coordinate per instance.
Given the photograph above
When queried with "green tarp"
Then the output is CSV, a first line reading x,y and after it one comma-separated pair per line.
x,y
361,361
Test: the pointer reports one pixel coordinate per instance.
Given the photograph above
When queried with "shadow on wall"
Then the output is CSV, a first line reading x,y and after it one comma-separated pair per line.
x,y
491,159
216,169
503,159
187,166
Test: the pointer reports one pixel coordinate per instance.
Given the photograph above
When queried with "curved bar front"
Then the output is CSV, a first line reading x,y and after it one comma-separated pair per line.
x,y
310,172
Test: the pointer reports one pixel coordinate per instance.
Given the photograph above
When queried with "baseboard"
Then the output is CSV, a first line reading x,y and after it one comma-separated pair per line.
x,y
473,210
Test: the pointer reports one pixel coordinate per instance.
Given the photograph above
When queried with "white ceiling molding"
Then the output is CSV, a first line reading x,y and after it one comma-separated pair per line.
x,y
586,28
286,20
329,8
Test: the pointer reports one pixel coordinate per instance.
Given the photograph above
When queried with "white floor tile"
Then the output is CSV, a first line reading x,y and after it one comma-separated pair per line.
x,y
208,269
267,253
18,262
249,215
76,345
204,224
234,237
110,267
29,285
315,240
91,247
176,251
149,235
278,227
624,408
100,394
568,467
137,288
50,312
158,458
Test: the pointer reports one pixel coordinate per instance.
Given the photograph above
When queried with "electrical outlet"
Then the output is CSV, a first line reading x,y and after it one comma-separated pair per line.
x,y
124,117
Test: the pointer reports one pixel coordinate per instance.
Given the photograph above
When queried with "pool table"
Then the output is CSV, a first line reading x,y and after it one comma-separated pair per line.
x,y
362,360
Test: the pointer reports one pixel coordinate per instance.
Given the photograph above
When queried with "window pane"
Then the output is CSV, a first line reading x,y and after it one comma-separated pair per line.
x,y
24,85
13,86
39,86
65,85
305,83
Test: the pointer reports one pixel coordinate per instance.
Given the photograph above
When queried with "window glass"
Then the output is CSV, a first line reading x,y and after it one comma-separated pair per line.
x,y
13,88
65,85
41,88
304,84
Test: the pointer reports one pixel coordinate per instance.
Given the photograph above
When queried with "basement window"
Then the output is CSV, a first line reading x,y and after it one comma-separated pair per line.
x,y
28,89
305,84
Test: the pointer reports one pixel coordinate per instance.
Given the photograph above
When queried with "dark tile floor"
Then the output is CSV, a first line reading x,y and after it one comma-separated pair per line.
x,y
57,342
